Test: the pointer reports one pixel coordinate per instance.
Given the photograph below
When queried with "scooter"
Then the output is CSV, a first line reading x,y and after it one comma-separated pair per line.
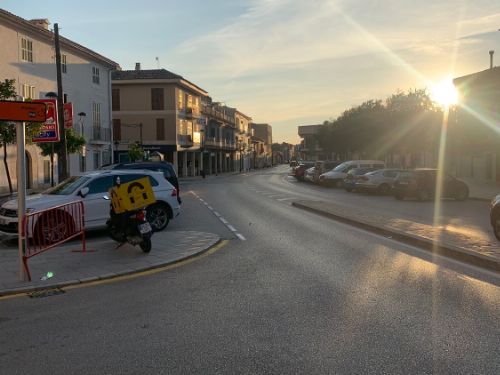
x,y
130,227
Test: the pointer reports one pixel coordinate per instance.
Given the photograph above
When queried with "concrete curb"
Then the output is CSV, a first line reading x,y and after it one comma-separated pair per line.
x,y
106,276
440,248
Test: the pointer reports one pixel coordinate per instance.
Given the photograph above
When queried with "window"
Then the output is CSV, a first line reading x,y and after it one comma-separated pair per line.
x,y
160,129
100,185
26,50
97,159
115,99
96,115
157,99
179,100
117,129
95,75
28,91
64,67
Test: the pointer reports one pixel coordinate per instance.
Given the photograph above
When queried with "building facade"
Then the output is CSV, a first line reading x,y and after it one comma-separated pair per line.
x,y
28,57
310,148
474,142
263,140
162,112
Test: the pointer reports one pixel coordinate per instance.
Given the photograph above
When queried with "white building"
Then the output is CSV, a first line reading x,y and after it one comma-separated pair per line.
x,y
28,56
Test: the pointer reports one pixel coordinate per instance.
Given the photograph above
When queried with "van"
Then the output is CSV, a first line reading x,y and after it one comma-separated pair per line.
x,y
336,176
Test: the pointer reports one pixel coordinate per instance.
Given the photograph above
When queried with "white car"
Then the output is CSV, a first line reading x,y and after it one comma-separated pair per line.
x,y
336,176
92,189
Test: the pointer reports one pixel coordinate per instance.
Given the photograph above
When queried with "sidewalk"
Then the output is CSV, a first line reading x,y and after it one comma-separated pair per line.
x,y
469,245
102,261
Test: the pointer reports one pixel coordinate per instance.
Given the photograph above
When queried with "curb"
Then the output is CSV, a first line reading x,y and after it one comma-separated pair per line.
x,y
440,248
107,276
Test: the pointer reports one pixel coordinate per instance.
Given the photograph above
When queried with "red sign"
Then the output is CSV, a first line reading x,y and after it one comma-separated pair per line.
x,y
22,111
68,115
50,130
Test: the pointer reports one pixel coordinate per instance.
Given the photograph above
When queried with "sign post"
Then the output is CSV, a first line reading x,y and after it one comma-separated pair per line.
x,y
21,112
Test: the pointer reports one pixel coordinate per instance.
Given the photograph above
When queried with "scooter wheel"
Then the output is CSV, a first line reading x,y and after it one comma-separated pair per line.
x,y
146,245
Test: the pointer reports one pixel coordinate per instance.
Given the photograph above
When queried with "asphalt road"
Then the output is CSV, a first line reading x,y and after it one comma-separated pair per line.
x,y
293,293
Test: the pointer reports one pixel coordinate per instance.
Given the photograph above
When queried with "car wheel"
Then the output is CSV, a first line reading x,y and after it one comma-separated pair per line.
x,y
158,216
423,195
462,194
384,189
496,226
49,231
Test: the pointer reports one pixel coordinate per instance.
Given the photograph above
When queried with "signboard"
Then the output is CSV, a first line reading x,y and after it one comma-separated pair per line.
x,y
50,130
22,111
132,195
68,115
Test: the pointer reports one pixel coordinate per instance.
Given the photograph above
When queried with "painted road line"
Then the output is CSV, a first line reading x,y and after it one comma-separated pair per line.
x,y
285,199
216,214
223,220
210,208
231,228
240,237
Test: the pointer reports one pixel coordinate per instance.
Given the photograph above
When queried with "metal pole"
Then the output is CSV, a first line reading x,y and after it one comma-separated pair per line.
x,y
60,108
21,195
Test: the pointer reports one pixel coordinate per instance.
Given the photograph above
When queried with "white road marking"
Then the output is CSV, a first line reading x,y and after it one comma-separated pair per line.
x,y
210,208
231,228
285,199
240,237
216,214
223,220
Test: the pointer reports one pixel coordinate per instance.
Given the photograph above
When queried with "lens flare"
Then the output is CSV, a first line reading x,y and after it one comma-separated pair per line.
x,y
444,93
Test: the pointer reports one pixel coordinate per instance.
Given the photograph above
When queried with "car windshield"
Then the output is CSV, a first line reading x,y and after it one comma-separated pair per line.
x,y
339,167
68,186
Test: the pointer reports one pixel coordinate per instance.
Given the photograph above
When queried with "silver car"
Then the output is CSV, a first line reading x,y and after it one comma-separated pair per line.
x,y
379,181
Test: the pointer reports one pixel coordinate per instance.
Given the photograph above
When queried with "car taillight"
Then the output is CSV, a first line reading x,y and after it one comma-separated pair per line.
x,y
174,193
141,215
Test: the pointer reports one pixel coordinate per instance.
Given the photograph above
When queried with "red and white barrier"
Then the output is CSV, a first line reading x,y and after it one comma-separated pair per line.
x,y
44,230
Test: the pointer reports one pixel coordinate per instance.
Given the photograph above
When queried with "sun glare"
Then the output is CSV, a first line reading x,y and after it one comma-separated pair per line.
x,y
444,93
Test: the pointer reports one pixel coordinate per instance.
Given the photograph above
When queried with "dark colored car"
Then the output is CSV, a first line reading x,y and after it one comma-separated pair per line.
x,y
158,166
353,176
322,167
298,171
495,216
421,184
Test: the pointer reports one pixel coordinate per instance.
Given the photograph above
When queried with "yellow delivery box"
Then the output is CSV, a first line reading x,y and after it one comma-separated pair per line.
x,y
132,195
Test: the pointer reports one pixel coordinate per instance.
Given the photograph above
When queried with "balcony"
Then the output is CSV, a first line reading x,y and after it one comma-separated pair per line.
x,y
192,112
185,140
100,135
222,144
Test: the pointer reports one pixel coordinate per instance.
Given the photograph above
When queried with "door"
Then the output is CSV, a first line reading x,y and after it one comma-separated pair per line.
x,y
96,207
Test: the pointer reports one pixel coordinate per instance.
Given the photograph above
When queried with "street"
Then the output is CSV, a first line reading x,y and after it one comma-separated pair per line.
x,y
291,292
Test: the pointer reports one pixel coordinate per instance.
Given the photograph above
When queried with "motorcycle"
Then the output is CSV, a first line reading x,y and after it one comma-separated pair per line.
x,y
130,227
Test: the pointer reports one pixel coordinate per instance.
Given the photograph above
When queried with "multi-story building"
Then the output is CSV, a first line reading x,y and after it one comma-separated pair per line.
x,y
219,142
474,145
310,148
263,133
28,57
161,111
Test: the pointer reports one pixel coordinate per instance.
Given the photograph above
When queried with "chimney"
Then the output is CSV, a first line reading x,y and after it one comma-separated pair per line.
x,y
491,59
41,22
137,66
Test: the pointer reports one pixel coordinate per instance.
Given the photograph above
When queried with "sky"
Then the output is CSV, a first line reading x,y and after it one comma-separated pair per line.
x,y
286,62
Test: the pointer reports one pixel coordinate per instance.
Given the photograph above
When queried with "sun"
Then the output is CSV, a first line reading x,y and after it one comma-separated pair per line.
x,y
444,93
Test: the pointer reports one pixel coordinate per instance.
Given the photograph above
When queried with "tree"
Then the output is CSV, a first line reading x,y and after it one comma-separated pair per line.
x,y
74,144
135,152
8,129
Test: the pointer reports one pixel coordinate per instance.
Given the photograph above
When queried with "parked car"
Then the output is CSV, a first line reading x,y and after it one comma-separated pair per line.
x,y
91,188
421,184
336,176
322,167
495,216
379,181
309,174
299,171
352,177
158,166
